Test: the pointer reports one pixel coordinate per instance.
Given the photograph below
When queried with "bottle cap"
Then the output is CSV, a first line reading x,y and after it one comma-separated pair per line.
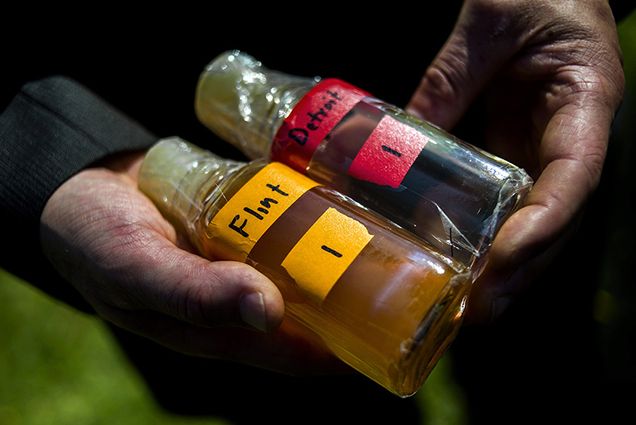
x,y
179,177
245,103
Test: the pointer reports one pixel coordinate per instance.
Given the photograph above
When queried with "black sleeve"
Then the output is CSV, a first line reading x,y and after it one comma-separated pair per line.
x,y
49,131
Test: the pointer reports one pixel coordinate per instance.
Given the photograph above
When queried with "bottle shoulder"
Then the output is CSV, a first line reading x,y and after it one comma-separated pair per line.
x,y
221,193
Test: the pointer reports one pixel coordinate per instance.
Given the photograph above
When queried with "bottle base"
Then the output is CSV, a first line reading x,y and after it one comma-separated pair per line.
x,y
433,336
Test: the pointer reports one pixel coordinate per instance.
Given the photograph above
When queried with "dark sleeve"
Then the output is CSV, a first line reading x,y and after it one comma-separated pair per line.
x,y
49,131
621,9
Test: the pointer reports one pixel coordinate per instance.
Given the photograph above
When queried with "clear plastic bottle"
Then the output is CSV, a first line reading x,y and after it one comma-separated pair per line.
x,y
449,193
378,297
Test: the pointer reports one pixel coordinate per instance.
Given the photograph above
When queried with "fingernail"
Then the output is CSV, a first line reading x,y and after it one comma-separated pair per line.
x,y
499,306
252,309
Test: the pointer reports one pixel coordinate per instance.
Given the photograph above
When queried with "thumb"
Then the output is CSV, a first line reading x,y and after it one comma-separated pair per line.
x,y
483,39
192,289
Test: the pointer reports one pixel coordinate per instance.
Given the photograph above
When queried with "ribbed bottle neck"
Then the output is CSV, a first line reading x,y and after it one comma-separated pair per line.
x,y
181,179
245,103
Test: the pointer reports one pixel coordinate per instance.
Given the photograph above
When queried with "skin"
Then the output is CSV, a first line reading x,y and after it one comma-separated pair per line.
x,y
552,76
110,241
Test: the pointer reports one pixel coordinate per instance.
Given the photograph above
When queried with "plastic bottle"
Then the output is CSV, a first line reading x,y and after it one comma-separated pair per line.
x,y
378,297
449,193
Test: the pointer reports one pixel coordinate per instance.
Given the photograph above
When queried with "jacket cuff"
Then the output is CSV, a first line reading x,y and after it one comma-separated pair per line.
x,y
52,129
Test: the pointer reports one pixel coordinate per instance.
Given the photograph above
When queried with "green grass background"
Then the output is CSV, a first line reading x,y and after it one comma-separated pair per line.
x,y
59,366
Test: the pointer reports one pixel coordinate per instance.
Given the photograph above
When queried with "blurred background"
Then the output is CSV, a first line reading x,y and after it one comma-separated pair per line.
x,y
565,350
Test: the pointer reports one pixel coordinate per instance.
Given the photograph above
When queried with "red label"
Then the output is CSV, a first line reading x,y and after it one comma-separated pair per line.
x,y
388,153
315,115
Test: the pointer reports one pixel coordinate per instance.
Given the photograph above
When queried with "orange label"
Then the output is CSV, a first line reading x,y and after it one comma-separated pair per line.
x,y
255,207
325,251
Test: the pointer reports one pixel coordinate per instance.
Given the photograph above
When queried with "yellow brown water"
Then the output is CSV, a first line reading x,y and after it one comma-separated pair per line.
x,y
387,315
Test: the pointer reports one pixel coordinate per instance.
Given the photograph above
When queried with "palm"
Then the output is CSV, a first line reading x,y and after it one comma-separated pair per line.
x,y
113,245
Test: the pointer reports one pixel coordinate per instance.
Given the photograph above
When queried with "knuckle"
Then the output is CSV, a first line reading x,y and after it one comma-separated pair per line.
x,y
593,160
194,303
444,79
588,86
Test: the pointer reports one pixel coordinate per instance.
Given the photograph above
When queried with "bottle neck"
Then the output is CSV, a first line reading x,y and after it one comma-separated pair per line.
x,y
182,179
283,102
245,103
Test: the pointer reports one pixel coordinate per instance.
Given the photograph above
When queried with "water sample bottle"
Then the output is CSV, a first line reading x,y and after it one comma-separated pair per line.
x,y
451,194
378,297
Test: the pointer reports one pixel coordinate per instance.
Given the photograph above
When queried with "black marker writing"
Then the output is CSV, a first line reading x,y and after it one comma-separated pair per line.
x,y
331,251
391,151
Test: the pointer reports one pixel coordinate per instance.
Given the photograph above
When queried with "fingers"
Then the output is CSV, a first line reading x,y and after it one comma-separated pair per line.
x,y
289,349
177,283
483,39
527,243
572,152
198,307
112,243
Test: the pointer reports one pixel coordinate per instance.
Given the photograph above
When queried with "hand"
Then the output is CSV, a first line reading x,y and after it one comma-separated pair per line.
x,y
106,238
551,74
